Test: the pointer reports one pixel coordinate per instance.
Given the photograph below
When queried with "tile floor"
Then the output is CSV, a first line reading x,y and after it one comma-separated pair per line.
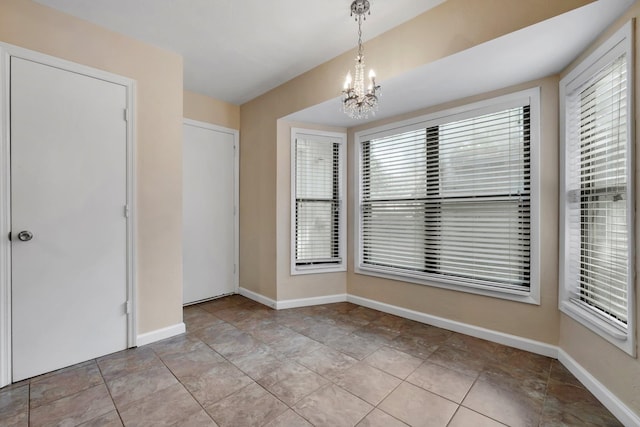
x,y
243,364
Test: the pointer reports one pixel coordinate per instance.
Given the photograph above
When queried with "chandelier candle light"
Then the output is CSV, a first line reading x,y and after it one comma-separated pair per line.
x,y
357,103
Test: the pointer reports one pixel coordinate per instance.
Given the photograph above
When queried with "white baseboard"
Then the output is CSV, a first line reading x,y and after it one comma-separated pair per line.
x,y
257,297
291,303
305,302
621,411
463,328
160,334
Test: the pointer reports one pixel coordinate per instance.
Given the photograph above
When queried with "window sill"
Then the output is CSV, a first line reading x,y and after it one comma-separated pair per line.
x,y
597,325
527,297
315,269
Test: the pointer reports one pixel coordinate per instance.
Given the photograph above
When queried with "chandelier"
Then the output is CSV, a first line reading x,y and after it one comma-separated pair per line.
x,y
356,102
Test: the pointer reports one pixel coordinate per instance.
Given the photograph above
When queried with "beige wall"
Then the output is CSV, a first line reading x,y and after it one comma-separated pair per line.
x,y
210,110
453,26
536,322
258,166
303,285
158,74
619,372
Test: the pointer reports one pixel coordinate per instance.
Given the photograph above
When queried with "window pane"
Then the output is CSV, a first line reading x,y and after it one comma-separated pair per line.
x,y
603,186
316,240
484,155
481,241
396,167
317,201
394,234
315,173
394,190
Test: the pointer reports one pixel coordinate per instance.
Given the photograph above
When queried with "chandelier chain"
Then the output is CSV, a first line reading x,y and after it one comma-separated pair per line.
x,y
360,36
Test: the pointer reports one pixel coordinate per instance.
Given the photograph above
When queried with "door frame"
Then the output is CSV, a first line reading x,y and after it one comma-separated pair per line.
x,y
236,190
8,51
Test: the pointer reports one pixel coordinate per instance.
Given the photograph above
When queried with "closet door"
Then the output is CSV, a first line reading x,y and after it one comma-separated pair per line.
x,y
69,230
209,230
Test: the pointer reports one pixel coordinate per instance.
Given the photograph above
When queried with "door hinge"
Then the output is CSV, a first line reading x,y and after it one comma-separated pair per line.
x,y
126,211
9,236
127,307
126,114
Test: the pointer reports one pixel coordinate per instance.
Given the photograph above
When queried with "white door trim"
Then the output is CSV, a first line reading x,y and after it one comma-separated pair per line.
x,y
236,190
6,52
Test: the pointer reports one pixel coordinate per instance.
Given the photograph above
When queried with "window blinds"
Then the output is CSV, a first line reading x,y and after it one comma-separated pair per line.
x,y
317,210
597,205
451,201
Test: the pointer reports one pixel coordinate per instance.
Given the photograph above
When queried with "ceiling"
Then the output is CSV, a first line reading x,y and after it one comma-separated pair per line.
x,y
235,50
534,52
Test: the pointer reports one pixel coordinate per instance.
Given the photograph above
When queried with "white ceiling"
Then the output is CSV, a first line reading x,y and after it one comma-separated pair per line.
x,y
534,52
235,50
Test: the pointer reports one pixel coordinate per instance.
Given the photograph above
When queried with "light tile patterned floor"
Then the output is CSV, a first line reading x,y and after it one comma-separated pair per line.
x,y
243,364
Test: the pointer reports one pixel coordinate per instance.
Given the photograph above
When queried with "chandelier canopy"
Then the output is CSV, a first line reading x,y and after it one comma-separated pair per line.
x,y
356,102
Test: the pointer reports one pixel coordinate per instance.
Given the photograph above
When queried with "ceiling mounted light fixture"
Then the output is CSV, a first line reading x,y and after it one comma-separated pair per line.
x,y
356,102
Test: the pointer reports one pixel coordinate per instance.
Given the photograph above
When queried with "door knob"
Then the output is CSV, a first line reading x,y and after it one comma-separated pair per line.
x,y
25,236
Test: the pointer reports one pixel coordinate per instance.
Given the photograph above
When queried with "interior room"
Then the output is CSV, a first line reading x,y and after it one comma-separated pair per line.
x,y
203,223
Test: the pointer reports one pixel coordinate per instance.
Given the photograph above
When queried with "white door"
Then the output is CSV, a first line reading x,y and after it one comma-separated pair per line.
x,y
68,191
208,212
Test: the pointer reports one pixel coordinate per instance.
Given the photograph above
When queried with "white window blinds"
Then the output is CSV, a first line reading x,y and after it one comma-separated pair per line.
x,y
597,203
317,201
451,201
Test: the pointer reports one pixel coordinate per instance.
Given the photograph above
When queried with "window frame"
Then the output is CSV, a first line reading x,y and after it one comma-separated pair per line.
x,y
619,43
341,139
530,97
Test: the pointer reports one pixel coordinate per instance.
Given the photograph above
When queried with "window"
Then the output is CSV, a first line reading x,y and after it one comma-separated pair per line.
x,y
447,200
317,188
596,262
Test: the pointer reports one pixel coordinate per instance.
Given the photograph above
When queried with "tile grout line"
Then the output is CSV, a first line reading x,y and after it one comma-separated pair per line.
x,y
29,384
254,381
185,387
385,398
29,404
285,359
471,409
247,374
279,400
332,382
454,415
546,392
104,381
